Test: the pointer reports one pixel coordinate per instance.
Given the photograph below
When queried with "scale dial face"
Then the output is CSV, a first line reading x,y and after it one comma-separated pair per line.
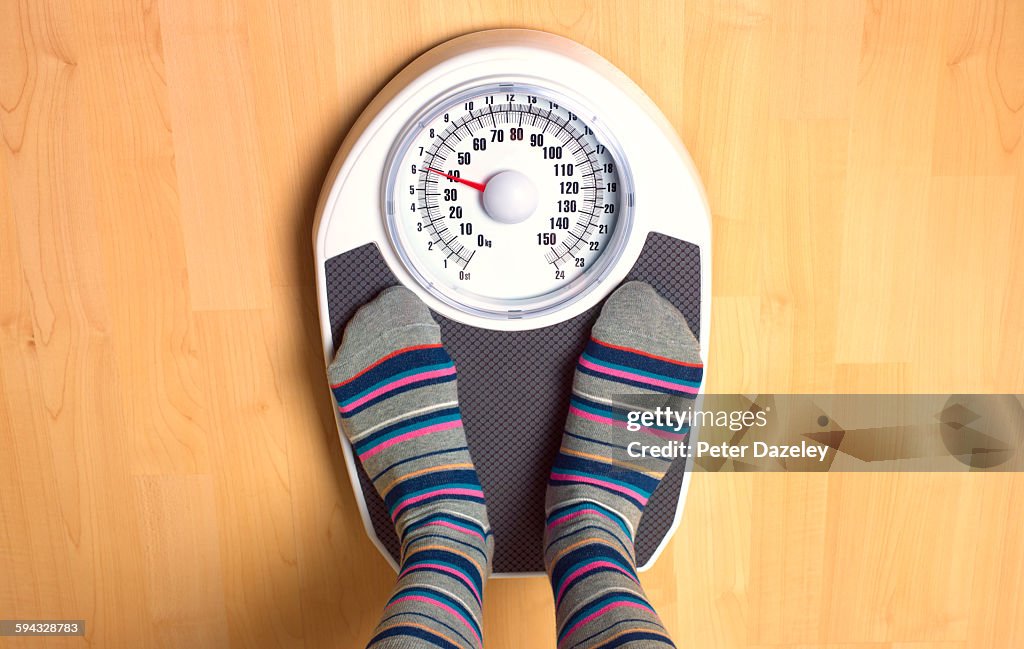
x,y
507,200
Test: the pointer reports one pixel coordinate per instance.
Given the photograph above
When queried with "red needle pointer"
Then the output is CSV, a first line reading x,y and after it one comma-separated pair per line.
x,y
475,185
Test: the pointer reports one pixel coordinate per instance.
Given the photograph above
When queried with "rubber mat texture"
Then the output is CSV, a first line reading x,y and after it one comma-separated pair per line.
x,y
514,391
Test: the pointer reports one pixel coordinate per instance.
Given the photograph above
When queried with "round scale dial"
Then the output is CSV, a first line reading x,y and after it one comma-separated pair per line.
x,y
507,200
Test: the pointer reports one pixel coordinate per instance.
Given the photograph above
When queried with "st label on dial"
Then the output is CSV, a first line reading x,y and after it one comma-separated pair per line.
x,y
510,197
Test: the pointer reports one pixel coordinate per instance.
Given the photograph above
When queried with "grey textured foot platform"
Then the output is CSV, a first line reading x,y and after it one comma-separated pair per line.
x,y
514,390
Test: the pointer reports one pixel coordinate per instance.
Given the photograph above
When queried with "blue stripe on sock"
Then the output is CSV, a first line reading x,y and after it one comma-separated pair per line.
x,y
631,620
430,481
412,371
584,555
387,395
417,457
561,511
402,362
617,379
455,520
476,547
638,361
439,597
430,620
599,602
608,472
596,528
626,638
619,414
405,426
413,632
603,362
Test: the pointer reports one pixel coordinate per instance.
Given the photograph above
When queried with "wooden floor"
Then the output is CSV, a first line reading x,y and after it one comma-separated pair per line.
x,y
169,469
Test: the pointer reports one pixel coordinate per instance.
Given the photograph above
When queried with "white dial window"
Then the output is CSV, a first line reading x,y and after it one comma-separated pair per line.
x,y
507,200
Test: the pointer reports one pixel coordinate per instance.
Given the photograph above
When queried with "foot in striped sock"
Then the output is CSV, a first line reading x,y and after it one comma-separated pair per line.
x,y
395,388
641,354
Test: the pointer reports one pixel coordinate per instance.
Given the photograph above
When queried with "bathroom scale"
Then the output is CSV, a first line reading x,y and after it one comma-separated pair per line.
x,y
513,179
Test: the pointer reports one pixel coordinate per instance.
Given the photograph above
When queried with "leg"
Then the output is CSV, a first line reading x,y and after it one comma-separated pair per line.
x,y
640,348
395,388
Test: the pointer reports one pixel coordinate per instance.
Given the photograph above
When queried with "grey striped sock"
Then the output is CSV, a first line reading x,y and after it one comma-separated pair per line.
x,y
395,389
640,349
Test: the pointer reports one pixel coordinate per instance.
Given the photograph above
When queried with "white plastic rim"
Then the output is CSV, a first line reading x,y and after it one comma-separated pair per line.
x,y
673,201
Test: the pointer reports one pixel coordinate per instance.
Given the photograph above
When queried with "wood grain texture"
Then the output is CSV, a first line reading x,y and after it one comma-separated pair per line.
x,y
169,469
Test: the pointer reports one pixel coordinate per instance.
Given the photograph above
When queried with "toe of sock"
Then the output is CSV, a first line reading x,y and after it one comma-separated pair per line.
x,y
393,308
636,315
395,319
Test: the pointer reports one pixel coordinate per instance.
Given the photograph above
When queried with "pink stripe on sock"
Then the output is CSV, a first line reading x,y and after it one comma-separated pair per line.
x,y
621,424
419,432
434,602
629,376
432,494
452,571
394,385
568,517
458,528
590,567
600,483
597,614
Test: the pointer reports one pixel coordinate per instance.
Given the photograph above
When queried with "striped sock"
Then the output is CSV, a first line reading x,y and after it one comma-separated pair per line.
x,y
395,389
640,350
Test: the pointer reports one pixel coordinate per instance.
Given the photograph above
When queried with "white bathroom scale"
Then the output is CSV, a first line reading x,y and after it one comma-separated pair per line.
x,y
513,179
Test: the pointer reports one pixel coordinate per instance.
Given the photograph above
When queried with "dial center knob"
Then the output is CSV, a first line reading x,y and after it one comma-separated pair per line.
x,y
510,197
